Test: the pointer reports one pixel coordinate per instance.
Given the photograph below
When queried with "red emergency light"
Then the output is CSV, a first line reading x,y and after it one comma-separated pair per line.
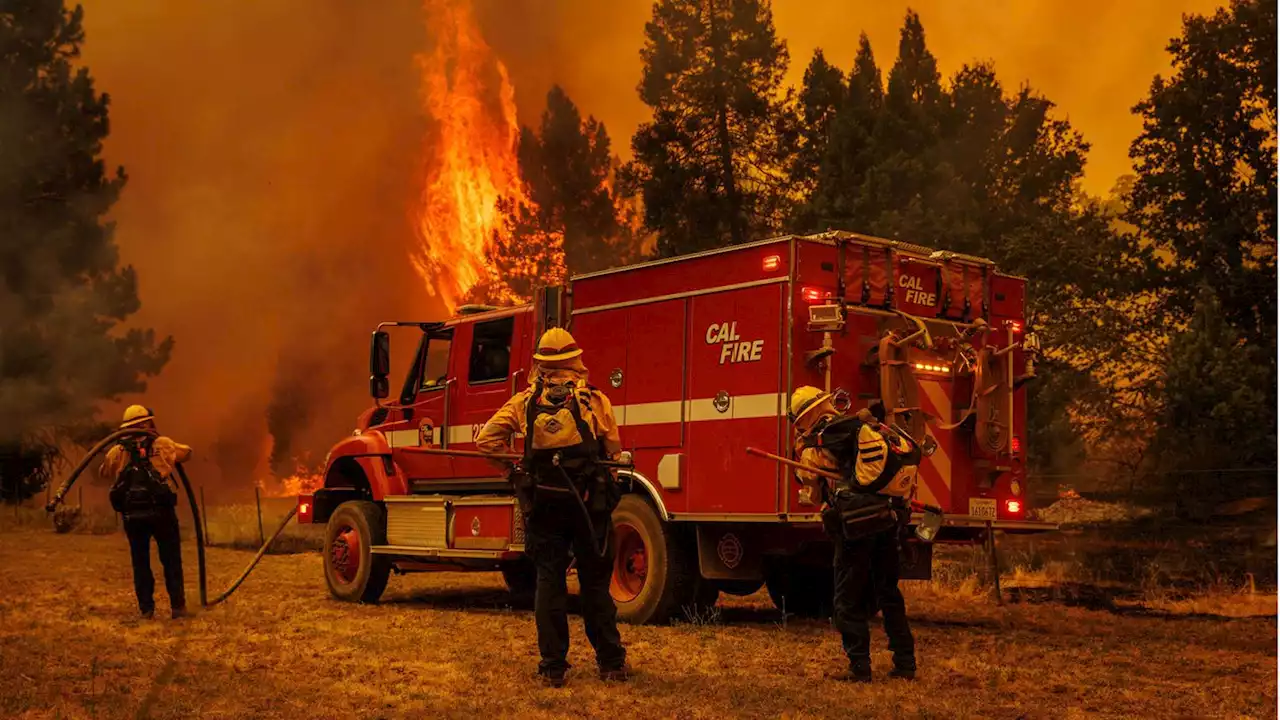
x,y
771,263
1013,506
1015,445
306,507
812,294
1015,326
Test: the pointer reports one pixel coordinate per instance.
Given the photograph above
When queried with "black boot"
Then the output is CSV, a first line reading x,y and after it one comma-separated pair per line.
x,y
857,672
553,677
621,674
904,668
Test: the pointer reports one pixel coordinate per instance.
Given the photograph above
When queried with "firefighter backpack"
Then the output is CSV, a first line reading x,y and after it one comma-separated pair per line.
x,y
558,422
880,466
139,491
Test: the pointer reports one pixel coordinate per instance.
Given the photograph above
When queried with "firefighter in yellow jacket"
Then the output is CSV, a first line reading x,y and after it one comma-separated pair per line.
x,y
141,472
568,427
866,568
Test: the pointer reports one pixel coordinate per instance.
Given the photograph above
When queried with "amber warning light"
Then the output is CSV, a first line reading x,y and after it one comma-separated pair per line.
x,y
772,263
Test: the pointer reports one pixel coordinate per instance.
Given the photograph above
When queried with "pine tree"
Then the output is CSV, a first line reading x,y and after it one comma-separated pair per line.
x,y
567,167
62,292
821,96
711,165
1205,196
1206,163
836,201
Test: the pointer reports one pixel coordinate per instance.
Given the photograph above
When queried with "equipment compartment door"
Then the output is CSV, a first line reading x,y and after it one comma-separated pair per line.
x,y
734,399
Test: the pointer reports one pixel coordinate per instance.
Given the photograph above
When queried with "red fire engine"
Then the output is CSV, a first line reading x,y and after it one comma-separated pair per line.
x,y
699,355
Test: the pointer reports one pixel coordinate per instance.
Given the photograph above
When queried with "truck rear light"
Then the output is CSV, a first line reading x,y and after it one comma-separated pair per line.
x,y
813,294
1013,506
1015,445
772,263
306,508
928,367
1015,326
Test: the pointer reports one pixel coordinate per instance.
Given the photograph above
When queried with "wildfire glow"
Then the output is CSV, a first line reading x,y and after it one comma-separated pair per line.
x,y
469,154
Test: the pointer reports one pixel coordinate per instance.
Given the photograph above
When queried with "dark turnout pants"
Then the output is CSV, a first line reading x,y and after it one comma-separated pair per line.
x,y
866,580
555,526
163,526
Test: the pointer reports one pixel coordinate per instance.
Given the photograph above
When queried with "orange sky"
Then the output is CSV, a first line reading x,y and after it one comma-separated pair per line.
x,y
273,151
1094,58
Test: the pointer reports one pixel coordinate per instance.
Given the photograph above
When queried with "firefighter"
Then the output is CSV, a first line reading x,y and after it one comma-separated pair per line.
x,y
867,567
567,499
141,469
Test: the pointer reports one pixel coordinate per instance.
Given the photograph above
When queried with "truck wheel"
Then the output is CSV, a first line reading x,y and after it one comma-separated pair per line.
x,y
521,577
352,572
801,590
654,572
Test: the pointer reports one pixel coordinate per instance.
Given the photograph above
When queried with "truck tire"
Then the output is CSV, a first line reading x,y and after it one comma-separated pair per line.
x,y
352,572
655,573
521,577
802,590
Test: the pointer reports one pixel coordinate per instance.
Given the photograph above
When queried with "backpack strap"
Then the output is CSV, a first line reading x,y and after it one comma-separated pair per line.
x,y
584,430
530,413
886,473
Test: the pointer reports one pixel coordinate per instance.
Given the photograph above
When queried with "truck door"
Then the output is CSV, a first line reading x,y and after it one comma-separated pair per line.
x,y
488,373
421,415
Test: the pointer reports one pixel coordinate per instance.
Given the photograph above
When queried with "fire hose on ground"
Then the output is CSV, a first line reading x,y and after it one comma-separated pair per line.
x,y
195,514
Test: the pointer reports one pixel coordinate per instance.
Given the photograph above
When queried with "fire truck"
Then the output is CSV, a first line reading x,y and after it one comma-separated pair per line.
x,y
699,355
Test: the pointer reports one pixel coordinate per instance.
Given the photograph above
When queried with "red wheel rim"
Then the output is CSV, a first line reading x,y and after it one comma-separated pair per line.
x,y
344,554
630,565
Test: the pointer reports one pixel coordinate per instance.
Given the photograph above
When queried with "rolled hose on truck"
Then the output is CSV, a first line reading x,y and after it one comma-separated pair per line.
x,y
195,514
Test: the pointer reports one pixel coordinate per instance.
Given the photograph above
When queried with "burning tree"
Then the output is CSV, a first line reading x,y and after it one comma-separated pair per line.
x,y
505,210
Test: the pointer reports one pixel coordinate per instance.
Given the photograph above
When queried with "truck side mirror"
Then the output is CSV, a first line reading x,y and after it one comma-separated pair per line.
x,y
380,355
379,388
379,365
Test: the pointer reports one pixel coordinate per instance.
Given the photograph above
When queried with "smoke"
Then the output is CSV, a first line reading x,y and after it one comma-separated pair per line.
x,y
272,156
1094,58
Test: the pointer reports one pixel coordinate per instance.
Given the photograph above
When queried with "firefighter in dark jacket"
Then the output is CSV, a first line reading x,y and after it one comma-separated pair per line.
x,y
141,470
866,568
568,426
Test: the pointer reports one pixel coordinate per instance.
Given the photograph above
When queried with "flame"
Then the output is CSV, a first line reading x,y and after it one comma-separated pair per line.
x,y
469,156
305,478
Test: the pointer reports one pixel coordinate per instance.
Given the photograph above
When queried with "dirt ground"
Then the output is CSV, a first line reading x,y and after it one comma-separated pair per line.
x,y
451,646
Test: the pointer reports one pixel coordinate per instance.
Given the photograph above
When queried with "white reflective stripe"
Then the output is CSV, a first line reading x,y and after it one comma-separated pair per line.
x,y
654,413
757,406
741,407
402,438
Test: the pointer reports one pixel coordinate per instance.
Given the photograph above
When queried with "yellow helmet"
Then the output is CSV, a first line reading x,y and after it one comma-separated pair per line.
x,y
806,399
556,344
136,415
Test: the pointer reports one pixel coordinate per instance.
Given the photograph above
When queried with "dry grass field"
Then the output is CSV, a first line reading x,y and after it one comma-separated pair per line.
x,y
450,645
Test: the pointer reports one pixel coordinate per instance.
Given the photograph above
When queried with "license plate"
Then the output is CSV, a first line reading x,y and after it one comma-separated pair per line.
x,y
983,508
